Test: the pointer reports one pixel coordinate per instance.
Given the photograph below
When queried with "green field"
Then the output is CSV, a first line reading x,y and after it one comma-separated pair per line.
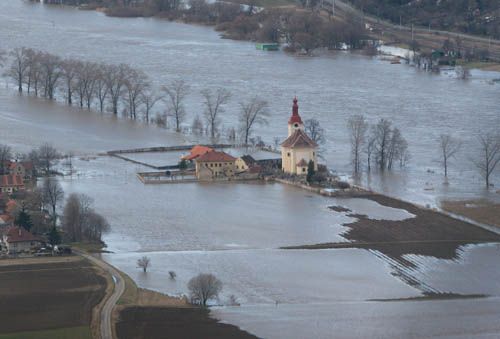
x,y
81,332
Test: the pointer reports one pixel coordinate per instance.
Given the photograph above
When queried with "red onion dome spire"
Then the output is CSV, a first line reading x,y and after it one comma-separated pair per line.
x,y
295,118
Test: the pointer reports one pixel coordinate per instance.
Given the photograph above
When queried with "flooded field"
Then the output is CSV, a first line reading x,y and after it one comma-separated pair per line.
x,y
330,87
236,230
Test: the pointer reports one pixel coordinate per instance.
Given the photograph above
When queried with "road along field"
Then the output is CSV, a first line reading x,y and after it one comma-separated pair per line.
x,y
49,297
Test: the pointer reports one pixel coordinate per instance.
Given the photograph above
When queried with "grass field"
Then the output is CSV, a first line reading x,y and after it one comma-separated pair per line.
x,y
80,332
40,295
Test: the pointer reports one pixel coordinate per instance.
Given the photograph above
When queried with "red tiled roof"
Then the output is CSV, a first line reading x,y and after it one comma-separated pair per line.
x,y
10,206
28,165
19,234
299,139
215,156
196,151
302,163
11,180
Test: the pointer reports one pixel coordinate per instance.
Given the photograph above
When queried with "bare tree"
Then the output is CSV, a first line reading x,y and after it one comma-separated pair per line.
x,y
50,66
449,147
144,263
149,99
74,216
369,149
254,112
214,102
17,70
115,77
80,222
52,195
33,74
46,156
197,126
204,287
489,155
175,94
101,85
135,84
382,137
315,131
357,126
69,72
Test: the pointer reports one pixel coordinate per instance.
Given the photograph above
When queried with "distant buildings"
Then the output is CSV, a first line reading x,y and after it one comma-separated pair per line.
x,y
298,149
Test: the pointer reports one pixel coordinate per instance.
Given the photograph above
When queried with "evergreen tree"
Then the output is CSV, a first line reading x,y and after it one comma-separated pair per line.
x,y
23,219
183,165
54,236
310,171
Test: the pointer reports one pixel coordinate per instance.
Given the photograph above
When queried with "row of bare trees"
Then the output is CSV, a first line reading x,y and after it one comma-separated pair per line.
x,y
384,145
86,83
120,86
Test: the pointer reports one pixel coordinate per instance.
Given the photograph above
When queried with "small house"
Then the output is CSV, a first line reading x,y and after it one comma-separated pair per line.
x,y
17,239
11,183
215,165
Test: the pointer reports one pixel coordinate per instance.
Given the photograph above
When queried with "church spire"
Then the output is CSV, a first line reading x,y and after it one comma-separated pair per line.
x,y
295,118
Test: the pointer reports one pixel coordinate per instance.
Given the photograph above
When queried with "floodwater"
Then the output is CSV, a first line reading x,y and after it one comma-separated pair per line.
x,y
330,88
236,230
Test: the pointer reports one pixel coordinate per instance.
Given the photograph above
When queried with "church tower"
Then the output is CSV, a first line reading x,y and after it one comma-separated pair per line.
x,y
295,121
298,149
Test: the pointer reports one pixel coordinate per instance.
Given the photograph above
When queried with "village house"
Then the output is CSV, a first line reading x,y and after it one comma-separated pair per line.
x,y
298,149
17,240
21,168
215,165
247,165
10,183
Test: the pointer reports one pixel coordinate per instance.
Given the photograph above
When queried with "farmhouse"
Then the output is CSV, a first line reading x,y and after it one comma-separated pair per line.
x,y
298,149
215,165
11,183
17,239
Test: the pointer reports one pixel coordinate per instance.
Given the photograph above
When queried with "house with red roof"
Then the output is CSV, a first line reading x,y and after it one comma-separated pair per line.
x,y
21,168
298,149
215,165
197,151
11,183
17,240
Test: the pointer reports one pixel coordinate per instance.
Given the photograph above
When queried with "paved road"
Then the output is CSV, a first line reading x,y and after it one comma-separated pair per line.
x,y
119,288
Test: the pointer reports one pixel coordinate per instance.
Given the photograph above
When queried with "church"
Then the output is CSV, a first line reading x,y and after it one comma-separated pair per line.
x,y
298,149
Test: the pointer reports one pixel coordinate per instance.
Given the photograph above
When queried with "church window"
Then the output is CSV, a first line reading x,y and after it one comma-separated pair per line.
x,y
288,154
303,169
296,125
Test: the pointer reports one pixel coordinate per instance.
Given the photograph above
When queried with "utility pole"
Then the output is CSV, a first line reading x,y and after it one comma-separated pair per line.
x,y
412,35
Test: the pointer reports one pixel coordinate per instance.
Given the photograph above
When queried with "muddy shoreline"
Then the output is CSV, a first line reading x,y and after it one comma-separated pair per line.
x,y
429,233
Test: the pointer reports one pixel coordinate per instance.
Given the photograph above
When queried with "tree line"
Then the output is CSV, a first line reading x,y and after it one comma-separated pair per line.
x,y
384,146
301,30
129,91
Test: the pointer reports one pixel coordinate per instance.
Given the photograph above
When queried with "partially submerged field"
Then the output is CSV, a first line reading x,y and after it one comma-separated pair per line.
x,y
148,314
428,233
48,297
